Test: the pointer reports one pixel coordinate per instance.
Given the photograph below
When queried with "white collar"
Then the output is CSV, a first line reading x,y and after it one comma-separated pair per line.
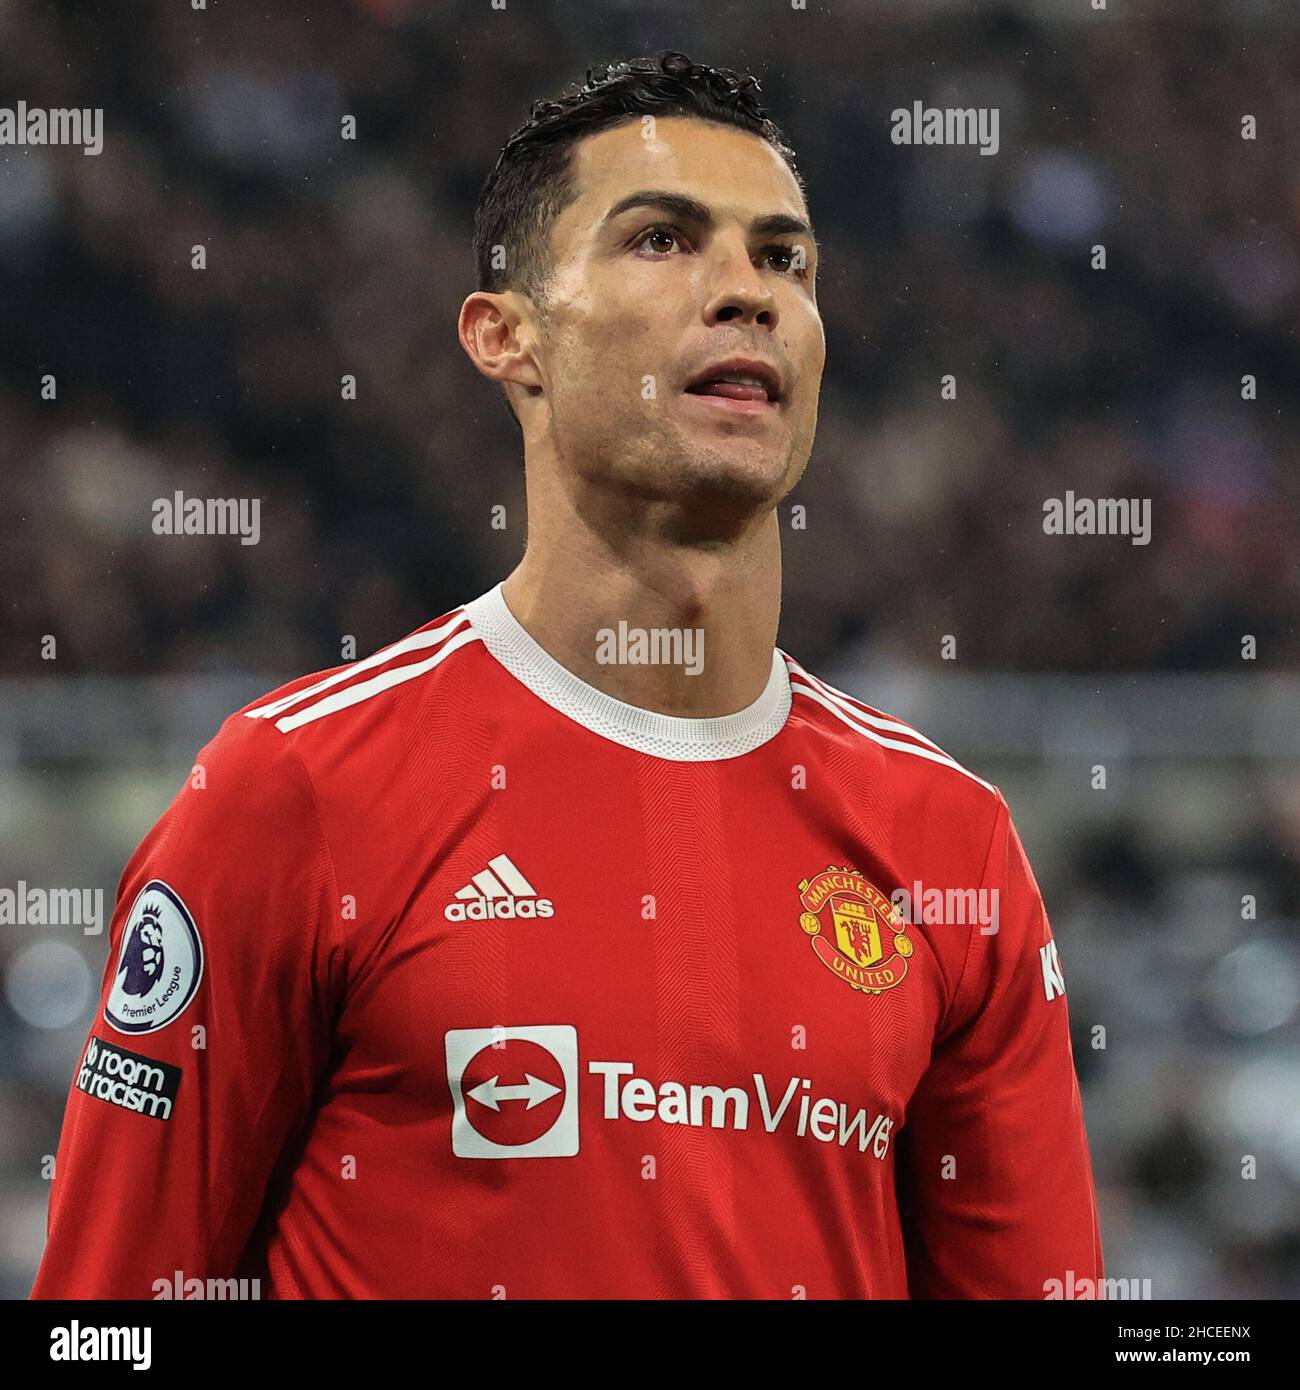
x,y
660,735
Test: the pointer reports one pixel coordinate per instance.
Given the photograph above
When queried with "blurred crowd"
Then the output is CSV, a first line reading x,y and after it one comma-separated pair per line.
x,y
327,257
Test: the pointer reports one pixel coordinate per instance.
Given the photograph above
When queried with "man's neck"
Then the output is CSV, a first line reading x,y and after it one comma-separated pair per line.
x,y
684,630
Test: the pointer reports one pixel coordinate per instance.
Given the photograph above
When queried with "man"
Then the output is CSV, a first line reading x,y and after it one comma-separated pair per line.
x,y
562,949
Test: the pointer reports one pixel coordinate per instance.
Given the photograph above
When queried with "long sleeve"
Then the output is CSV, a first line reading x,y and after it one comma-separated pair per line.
x,y
211,1034
994,1183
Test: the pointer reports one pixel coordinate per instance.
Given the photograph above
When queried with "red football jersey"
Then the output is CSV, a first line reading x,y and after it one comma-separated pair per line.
x,y
447,975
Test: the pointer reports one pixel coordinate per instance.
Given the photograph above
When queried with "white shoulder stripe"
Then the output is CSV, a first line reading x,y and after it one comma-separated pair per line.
x,y
364,690
417,641
932,756
854,707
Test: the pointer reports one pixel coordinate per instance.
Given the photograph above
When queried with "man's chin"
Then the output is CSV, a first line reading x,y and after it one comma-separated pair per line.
x,y
730,479
722,478
744,444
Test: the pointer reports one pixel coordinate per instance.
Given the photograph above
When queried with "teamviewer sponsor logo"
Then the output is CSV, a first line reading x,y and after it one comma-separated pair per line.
x,y
514,1091
127,1080
499,892
515,1095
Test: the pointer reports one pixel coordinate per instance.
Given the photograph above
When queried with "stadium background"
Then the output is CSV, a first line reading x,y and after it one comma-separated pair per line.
x,y
328,257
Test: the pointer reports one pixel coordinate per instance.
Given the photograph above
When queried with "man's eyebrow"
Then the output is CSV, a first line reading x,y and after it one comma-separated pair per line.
x,y
687,209
780,224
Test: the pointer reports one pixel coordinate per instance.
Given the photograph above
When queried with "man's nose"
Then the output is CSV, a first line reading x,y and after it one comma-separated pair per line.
x,y
739,294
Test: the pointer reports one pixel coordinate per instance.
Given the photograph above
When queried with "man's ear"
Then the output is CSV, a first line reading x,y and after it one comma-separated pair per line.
x,y
497,332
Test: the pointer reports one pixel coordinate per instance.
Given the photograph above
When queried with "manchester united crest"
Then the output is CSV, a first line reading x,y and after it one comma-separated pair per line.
x,y
856,932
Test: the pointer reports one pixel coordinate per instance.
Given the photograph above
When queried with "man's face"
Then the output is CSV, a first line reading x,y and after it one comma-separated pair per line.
x,y
650,298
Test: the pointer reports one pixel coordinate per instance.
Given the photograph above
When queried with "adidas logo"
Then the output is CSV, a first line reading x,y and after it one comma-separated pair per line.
x,y
499,892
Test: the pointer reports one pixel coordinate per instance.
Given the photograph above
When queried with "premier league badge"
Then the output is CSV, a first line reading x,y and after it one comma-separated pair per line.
x,y
159,964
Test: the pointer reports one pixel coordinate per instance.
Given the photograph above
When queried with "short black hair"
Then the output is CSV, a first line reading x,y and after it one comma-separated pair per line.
x,y
532,181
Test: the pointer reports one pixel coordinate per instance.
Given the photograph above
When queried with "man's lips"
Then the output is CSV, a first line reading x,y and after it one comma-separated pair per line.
x,y
735,405
749,379
733,390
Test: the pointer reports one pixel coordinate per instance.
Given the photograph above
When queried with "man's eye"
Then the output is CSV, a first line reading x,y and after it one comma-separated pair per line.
x,y
659,236
782,259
